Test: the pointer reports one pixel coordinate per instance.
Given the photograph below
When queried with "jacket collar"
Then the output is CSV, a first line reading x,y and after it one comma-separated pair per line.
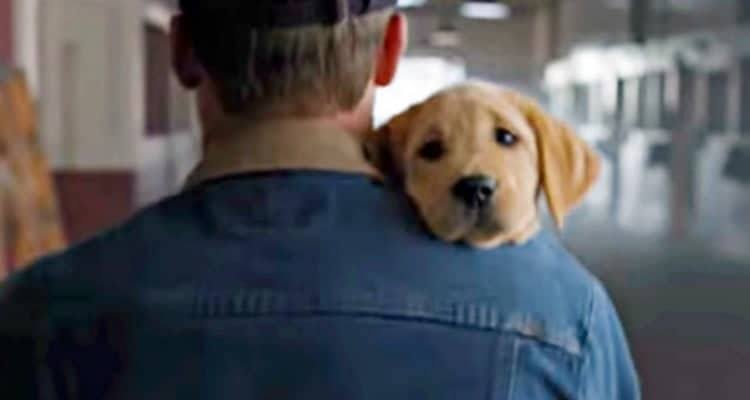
x,y
281,145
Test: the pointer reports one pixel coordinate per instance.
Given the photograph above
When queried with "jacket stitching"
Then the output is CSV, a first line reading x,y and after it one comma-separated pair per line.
x,y
513,369
586,341
474,315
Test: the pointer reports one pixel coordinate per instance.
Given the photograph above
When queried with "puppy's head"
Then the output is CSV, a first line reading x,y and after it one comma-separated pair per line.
x,y
474,159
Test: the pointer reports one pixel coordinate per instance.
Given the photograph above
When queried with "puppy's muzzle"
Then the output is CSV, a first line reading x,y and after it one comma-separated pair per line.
x,y
475,192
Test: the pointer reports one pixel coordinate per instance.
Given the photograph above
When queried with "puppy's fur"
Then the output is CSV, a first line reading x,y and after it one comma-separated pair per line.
x,y
462,132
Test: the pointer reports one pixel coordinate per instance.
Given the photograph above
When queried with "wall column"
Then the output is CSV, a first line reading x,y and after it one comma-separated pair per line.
x,y
91,107
6,31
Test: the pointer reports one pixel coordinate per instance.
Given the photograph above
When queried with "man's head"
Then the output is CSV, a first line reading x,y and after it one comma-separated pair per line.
x,y
298,58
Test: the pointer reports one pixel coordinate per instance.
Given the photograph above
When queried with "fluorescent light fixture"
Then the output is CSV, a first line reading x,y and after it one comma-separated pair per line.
x,y
158,14
445,38
411,3
485,10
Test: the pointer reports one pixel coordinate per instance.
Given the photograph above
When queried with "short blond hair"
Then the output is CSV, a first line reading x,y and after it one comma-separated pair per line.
x,y
310,70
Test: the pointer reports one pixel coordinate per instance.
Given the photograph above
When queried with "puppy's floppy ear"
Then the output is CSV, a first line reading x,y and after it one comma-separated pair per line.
x,y
385,147
377,147
568,166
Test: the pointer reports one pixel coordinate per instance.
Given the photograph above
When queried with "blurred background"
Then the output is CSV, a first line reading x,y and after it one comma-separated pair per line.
x,y
93,127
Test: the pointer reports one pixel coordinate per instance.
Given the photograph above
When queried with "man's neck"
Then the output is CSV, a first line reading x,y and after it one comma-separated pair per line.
x,y
358,124
357,127
217,125
281,144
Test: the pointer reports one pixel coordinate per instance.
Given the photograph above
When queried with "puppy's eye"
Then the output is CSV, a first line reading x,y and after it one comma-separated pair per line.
x,y
505,138
432,150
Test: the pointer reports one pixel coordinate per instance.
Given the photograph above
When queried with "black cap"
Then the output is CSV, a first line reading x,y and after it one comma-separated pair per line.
x,y
281,13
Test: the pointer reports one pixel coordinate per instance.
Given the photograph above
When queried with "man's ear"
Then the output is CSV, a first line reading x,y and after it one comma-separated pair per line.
x,y
184,62
385,147
391,50
568,166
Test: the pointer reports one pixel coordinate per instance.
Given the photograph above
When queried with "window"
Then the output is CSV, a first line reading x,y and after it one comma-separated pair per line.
x,y
642,102
557,101
167,104
652,100
718,101
671,100
686,84
630,101
596,103
581,103
745,96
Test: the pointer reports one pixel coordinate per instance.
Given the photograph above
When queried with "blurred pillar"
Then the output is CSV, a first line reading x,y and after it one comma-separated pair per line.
x,y
6,31
684,141
639,20
618,137
662,19
743,11
546,40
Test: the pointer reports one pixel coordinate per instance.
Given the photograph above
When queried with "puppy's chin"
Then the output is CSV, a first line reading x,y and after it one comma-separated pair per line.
x,y
482,230
486,233
494,233
449,224
458,224
484,239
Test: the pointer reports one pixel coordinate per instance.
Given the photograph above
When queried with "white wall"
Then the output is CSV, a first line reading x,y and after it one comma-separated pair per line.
x,y
416,80
90,80
26,40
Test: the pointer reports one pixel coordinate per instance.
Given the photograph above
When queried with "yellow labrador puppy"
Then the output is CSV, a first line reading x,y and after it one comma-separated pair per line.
x,y
474,158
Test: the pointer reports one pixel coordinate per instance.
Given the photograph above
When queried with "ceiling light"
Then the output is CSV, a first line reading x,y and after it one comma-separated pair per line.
x,y
445,38
485,10
411,3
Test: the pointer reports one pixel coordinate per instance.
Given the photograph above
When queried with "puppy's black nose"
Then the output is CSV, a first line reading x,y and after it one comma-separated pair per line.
x,y
475,191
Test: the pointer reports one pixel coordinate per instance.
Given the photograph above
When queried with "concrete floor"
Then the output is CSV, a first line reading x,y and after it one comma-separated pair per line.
x,y
685,310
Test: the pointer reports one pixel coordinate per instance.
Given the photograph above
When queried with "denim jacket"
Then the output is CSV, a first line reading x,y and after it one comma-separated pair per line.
x,y
306,283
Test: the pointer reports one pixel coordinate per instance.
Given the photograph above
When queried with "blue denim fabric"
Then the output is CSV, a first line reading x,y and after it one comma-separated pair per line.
x,y
306,285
